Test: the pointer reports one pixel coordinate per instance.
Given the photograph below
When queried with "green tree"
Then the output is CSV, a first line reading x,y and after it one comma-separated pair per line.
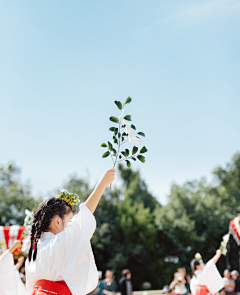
x,y
15,197
198,214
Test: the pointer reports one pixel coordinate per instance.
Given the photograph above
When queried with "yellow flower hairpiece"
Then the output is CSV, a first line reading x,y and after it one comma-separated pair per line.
x,y
1,244
71,198
198,256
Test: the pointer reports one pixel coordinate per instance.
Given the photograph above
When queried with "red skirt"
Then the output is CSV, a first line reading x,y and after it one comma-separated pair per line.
x,y
202,290
45,287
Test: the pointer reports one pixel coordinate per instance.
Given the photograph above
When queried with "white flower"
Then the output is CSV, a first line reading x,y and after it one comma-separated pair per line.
x,y
130,132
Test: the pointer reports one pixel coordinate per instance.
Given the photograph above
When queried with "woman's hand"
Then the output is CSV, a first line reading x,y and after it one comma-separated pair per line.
x,y
108,177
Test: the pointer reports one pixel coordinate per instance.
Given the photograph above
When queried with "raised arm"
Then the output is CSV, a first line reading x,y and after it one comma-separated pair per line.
x,y
217,256
94,198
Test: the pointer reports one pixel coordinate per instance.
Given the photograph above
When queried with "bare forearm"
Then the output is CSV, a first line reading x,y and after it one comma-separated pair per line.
x,y
93,200
217,256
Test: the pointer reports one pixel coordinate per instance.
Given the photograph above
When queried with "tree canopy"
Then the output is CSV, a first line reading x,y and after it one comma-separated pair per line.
x,y
135,231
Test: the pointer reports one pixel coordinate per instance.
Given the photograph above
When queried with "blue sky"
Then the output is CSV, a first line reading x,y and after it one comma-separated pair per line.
x,y
63,63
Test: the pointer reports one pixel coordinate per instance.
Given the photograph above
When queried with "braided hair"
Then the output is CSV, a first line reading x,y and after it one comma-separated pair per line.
x,y
43,216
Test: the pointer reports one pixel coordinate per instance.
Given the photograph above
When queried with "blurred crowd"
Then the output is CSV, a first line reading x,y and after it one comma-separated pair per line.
x,y
109,286
181,283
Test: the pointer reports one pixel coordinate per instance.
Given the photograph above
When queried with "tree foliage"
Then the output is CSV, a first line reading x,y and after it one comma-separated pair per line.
x,y
15,197
135,231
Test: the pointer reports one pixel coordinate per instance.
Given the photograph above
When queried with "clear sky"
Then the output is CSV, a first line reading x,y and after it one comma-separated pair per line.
x,y
63,63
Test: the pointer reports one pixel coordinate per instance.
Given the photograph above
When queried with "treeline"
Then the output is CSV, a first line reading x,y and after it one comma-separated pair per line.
x,y
135,231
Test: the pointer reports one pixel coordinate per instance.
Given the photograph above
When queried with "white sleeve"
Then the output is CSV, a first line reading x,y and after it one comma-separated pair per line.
x,y
193,284
212,278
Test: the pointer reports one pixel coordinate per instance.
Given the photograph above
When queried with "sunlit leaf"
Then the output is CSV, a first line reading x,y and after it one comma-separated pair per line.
x,y
110,146
115,152
103,145
143,150
141,133
118,104
128,118
134,150
128,100
115,131
124,153
141,158
114,119
128,163
105,155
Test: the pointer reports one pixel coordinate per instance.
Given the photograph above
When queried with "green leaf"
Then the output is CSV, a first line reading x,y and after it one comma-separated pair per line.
x,y
123,126
141,133
120,157
128,163
141,158
127,152
114,119
133,127
128,118
110,146
115,152
123,138
134,150
119,135
105,155
134,159
124,153
115,131
112,128
103,145
115,141
143,150
128,100
118,104
124,134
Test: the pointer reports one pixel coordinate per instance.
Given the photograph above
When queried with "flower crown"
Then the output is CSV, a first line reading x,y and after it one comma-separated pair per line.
x,y
71,198
198,256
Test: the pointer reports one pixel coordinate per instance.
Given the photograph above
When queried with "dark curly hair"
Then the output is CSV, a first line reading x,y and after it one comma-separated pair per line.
x,y
43,216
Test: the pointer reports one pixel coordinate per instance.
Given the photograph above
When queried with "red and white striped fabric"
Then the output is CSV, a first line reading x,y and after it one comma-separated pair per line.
x,y
234,227
9,234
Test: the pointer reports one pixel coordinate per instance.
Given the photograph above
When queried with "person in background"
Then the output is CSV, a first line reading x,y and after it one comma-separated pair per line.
x,y
178,284
183,273
109,284
235,277
10,282
99,288
166,290
229,284
125,283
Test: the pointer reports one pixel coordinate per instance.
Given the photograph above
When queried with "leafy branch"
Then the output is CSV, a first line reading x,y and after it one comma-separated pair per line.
x,y
121,135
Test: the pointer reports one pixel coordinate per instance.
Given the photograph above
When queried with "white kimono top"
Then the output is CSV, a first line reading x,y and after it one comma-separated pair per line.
x,y
208,277
68,255
10,282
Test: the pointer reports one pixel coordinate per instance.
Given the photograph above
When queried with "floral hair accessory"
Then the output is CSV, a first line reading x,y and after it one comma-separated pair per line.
x,y
71,198
198,256
1,244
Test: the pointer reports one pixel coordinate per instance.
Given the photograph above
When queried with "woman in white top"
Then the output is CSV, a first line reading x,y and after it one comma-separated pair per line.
x,y
62,261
